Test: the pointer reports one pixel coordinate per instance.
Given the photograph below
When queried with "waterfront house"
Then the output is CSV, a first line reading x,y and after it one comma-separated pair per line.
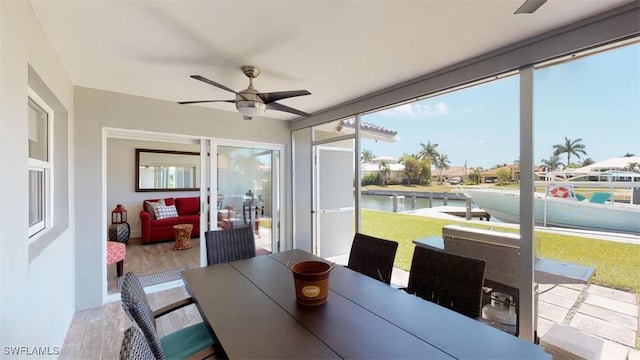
x,y
108,75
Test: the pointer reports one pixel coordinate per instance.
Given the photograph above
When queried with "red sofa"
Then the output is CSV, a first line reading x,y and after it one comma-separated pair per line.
x,y
158,230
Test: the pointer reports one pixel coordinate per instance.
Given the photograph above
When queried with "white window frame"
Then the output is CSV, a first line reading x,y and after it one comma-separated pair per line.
x,y
38,229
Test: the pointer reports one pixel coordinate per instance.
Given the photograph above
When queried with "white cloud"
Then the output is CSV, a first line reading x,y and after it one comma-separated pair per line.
x,y
419,110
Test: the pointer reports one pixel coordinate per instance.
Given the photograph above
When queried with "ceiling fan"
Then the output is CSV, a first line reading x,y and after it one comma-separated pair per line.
x,y
530,6
250,102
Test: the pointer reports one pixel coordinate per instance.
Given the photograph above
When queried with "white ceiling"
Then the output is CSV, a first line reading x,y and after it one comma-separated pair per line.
x,y
338,50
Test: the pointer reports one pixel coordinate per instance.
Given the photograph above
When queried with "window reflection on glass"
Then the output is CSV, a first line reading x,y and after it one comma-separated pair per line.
x,y
246,178
162,169
38,128
36,198
167,177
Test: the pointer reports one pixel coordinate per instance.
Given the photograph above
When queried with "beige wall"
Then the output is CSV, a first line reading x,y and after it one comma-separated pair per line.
x,y
97,109
37,278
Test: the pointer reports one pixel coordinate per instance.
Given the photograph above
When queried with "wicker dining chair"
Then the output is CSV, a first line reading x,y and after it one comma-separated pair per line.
x,y
193,341
373,257
449,280
230,245
135,346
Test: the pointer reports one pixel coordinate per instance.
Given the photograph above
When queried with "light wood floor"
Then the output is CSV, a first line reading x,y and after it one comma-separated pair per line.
x,y
152,258
145,259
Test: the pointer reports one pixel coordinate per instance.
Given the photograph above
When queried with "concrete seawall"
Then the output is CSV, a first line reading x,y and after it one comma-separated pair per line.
x,y
418,194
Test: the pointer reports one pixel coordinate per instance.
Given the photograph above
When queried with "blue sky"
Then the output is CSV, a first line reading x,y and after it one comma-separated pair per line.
x,y
596,98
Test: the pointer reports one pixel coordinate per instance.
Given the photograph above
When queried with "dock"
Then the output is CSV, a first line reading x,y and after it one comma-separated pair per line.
x,y
447,212
462,212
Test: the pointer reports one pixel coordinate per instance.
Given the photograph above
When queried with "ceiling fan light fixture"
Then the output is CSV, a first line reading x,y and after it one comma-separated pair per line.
x,y
250,108
250,102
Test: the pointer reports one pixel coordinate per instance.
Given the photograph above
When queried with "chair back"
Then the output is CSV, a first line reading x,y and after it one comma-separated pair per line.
x,y
449,280
373,257
230,245
136,306
599,197
135,346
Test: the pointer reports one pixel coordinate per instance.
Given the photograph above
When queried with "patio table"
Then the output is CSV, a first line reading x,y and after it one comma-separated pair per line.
x,y
250,306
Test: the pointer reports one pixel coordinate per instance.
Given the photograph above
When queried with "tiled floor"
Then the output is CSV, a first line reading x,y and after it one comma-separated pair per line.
x,y
96,333
609,315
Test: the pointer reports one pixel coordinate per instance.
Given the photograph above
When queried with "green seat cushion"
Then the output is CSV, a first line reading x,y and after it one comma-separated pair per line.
x,y
579,197
187,341
600,197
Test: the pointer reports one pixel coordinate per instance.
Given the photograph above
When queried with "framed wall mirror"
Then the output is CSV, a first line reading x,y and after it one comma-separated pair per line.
x,y
165,170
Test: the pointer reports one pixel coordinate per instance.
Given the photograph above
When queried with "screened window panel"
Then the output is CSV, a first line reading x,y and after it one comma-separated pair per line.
x,y
38,132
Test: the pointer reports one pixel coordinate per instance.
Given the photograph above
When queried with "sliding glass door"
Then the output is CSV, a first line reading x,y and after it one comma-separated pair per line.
x,y
247,192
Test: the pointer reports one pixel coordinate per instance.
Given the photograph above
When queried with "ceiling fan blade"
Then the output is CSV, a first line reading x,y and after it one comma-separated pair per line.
x,y
211,82
275,96
530,6
204,101
280,107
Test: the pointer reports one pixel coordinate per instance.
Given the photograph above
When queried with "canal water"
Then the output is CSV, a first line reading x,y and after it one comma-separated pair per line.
x,y
384,203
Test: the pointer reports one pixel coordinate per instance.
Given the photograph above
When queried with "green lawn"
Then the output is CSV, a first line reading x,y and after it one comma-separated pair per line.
x,y
617,264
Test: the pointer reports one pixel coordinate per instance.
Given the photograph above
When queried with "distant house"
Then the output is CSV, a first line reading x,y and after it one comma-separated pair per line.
x,y
491,175
615,164
451,172
397,169
374,167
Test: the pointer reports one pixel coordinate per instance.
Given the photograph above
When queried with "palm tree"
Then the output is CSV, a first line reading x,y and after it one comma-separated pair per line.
x,y
466,170
633,166
475,175
552,163
570,147
428,152
404,157
385,170
366,156
443,164
587,162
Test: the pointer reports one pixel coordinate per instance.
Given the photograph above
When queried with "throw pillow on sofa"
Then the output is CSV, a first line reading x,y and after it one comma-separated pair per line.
x,y
165,212
151,206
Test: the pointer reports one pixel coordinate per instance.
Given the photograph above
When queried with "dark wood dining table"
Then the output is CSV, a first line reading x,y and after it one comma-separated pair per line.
x,y
250,307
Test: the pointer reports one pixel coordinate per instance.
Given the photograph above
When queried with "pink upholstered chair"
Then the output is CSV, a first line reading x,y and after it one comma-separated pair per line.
x,y
116,252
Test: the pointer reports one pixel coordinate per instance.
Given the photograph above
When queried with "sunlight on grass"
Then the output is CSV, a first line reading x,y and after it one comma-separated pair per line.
x,y
616,264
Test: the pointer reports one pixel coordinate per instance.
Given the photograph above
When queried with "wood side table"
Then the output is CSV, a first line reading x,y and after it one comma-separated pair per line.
x,y
183,236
